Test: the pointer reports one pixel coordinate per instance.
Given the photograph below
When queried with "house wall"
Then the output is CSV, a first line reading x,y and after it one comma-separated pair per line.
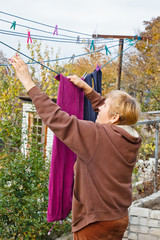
x,y
29,107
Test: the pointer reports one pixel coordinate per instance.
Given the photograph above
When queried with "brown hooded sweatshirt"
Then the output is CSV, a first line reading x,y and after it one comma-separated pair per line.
x,y
106,155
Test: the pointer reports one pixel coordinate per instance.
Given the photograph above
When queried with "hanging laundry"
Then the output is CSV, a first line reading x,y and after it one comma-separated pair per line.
x,y
70,99
89,114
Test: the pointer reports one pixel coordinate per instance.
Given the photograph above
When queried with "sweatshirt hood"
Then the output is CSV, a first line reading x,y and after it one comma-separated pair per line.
x,y
127,132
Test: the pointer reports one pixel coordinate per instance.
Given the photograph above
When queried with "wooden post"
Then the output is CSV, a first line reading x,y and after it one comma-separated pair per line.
x,y
119,67
121,42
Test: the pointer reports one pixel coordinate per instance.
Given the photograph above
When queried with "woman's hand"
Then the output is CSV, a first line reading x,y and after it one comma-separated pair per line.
x,y
76,81
80,83
22,72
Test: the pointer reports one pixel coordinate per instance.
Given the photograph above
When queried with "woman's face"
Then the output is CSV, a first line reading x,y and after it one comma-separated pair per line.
x,y
103,115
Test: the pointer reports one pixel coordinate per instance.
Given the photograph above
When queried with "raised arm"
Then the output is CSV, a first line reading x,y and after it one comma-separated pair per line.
x,y
95,98
76,134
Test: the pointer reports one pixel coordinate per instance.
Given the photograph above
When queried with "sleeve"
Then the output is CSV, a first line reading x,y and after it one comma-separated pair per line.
x,y
79,135
96,100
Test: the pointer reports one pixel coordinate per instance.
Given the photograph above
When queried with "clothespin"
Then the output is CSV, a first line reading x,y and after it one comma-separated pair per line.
x,y
10,59
107,50
8,68
72,58
138,37
98,67
88,42
55,30
41,61
92,45
130,42
147,42
29,37
78,39
84,76
13,25
83,41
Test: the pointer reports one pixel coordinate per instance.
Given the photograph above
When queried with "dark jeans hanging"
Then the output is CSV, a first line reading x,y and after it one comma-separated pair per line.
x,y
96,76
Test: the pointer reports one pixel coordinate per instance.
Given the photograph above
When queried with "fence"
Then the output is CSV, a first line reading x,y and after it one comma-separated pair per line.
x,y
154,123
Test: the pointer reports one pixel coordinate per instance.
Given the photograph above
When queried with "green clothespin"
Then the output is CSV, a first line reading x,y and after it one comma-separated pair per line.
x,y
92,45
13,25
130,42
107,50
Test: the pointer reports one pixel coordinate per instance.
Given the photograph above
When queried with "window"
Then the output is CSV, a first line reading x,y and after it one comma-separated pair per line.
x,y
37,132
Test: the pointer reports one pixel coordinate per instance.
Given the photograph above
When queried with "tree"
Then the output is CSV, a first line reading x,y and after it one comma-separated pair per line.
x,y
142,71
24,179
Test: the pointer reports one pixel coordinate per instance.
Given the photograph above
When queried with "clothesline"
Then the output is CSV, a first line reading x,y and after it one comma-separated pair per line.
x,y
51,33
47,38
75,56
28,57
54,70
43,24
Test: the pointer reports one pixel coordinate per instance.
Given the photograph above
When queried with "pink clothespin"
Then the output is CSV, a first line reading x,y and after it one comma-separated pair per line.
x,y
55,30
98,67
10,59
29,37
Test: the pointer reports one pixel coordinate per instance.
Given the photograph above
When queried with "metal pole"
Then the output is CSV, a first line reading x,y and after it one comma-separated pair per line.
x,y
156,157
119,67
121,37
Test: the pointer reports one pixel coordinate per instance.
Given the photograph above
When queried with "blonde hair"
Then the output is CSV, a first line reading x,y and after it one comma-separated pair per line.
x,y
125,106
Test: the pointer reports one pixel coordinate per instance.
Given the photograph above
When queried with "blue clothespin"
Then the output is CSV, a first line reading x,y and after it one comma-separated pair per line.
x,y
78,39
92,45
13,25
138,37
107,50
55,30
130,42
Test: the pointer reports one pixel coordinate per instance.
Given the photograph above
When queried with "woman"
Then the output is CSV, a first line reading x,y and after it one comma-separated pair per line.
x,y
106,155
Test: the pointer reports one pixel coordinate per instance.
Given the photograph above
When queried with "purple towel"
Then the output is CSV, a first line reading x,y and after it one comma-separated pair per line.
x,y
70,99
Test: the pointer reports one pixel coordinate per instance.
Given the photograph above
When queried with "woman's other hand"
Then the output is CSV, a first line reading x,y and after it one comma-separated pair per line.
x,y
80,83
22,72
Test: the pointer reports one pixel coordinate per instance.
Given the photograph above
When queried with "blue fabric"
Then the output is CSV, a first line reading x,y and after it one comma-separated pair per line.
x,y
89,114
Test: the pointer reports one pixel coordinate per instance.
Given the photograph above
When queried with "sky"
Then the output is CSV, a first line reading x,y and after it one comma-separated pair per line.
x,y
113,17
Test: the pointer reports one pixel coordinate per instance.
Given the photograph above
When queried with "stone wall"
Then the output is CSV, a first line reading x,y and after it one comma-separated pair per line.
x,y
144,219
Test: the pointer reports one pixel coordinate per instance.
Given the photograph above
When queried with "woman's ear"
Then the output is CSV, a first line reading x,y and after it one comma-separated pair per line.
x,y
114,118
